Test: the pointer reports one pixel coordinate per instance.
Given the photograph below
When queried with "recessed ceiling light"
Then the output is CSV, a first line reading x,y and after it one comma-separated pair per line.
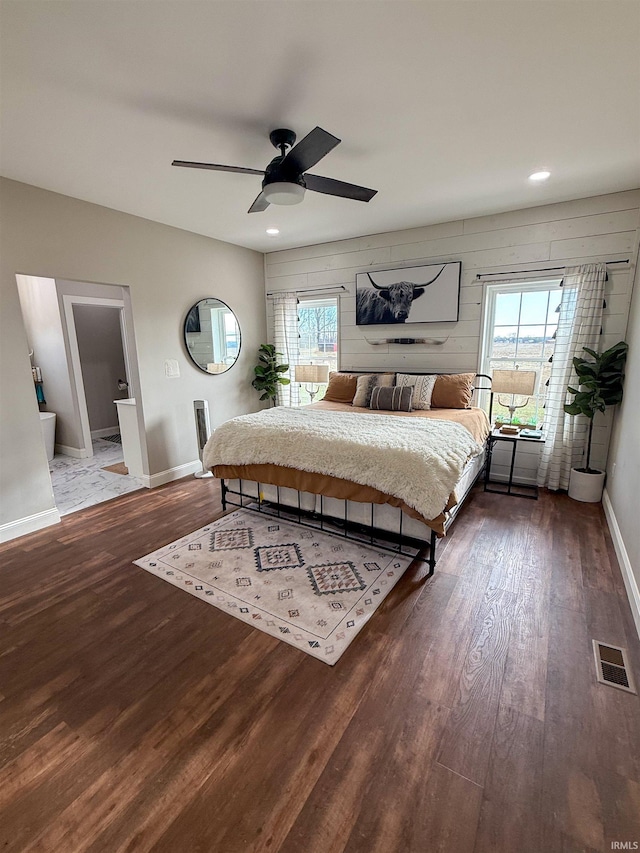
x,y
539,176
273,231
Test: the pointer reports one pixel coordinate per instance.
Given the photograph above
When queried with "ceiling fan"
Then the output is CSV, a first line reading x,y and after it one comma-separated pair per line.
x,y
286,177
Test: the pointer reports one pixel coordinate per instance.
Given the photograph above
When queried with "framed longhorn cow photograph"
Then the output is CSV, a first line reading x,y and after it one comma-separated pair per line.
x,y
425,294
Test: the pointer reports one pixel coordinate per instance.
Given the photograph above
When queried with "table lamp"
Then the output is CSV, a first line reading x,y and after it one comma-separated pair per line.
x,y
310,375
518,383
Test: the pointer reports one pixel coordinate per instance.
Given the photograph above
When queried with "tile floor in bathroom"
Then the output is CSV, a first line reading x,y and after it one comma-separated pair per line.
x,y
79,483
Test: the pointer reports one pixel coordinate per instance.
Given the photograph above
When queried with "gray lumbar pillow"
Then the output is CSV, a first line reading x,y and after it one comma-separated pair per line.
x,y
394,399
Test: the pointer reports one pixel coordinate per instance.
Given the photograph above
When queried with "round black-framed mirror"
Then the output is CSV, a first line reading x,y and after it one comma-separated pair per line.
x,y
212,336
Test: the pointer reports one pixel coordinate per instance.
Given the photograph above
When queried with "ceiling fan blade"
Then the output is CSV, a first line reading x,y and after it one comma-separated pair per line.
x,y
217,167
339,188
259,204
309,150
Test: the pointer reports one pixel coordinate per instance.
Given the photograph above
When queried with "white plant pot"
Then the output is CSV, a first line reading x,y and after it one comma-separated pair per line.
x,y
586,487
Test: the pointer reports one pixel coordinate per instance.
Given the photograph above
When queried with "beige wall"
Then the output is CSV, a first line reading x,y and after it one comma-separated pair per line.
x,y
166,270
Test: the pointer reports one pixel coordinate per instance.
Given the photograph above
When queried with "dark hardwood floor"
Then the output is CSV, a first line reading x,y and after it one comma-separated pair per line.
x,y
465,717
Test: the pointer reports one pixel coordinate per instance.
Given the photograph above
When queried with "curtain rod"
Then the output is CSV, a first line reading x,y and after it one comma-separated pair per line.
x,y
540,269
309,290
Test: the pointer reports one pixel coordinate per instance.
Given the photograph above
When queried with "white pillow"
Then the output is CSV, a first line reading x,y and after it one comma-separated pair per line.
x,y
422,388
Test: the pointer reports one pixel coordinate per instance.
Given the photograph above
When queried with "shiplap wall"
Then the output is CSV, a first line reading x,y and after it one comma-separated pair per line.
x,y
585,230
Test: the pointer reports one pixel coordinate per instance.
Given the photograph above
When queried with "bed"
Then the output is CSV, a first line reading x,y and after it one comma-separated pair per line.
x,y
398,476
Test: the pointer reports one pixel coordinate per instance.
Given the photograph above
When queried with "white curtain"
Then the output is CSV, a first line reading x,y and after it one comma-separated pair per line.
x,y
579,326
286,341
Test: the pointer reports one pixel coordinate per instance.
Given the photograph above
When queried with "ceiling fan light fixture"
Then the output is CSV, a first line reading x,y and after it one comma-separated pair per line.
x,y
283,192
286,177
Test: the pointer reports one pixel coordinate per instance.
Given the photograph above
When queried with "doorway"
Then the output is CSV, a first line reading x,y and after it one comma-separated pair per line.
x,y
103,365
83,358
96,330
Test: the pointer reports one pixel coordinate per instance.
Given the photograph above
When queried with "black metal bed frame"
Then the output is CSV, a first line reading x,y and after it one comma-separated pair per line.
x,y
392,541
354,531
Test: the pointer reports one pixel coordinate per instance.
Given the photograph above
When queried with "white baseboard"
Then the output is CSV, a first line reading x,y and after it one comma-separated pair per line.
x,y
28,524
631,585
75,452
98,433
162,477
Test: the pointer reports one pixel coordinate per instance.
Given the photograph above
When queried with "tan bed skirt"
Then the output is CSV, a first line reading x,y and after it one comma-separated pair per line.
x,y
324,484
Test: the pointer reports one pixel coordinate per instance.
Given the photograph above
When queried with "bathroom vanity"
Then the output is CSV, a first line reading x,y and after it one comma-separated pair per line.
x,y
130,435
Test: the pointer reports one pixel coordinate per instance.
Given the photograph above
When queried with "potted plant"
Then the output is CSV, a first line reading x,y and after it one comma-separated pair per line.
x,y
600,386
268,373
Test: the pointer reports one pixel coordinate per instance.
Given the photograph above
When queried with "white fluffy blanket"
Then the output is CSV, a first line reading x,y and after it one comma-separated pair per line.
x,y
418,460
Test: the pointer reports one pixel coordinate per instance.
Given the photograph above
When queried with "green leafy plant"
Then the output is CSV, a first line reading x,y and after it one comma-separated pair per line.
x,y
600,386
268,372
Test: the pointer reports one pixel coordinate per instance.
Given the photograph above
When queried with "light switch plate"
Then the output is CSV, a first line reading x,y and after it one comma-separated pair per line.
x,y
171,368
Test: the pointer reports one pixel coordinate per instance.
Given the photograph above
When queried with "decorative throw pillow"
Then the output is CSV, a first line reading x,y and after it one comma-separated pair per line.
x,y
453,391
422,388
341,388
365,385
394,399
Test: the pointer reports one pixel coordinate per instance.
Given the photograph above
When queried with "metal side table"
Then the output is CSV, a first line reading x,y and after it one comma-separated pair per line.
x,y
508,488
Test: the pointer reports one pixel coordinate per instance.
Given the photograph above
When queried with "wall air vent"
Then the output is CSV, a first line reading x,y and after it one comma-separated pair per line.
x,y
612,667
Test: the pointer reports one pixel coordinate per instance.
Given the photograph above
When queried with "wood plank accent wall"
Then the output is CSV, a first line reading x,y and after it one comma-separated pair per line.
x,y
570,233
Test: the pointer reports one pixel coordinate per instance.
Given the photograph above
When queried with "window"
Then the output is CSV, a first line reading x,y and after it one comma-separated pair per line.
x,y
231,336
224,334
519,331
318,337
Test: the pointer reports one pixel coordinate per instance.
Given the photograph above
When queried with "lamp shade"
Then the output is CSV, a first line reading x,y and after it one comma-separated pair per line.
x,y
514,382
317,374
283,192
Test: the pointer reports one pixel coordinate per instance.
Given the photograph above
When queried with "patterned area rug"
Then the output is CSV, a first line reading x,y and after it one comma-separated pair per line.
x,y
312,589
116,438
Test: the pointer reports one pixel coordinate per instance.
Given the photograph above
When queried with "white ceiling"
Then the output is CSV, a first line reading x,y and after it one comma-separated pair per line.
x,y
444,107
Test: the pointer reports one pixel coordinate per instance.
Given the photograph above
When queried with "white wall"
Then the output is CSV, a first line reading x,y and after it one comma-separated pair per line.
x,y
600,228
623,470
45,335
166,270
